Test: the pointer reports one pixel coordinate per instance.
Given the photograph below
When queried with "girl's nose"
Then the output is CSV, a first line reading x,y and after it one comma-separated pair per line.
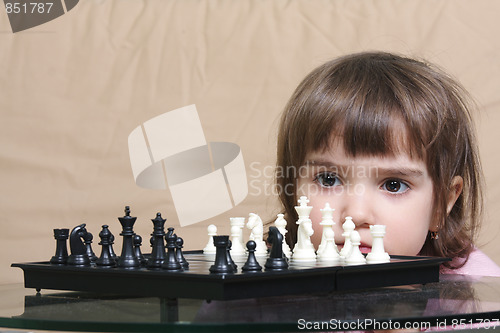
x,y
360,207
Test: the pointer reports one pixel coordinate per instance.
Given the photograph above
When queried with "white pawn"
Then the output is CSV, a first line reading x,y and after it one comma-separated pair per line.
x,y
236,247
257,235
327,223
210,248
240,222
329,253
304,249
377,254
280,223
348,227
356,257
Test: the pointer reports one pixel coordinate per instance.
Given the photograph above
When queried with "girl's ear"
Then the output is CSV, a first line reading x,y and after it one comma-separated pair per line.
x,y
457,185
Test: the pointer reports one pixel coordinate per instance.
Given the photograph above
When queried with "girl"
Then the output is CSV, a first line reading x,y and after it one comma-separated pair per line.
x,y
387,140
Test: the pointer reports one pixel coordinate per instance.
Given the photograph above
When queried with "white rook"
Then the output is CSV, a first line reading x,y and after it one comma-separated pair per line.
x,y
377,254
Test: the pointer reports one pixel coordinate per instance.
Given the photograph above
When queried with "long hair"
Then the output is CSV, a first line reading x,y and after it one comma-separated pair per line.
x,y
359,98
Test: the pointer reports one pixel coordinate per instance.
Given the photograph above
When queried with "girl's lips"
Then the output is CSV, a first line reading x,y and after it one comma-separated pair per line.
x,y
365,249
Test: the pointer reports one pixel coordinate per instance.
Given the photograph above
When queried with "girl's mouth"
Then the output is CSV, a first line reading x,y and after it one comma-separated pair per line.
x,y
365,249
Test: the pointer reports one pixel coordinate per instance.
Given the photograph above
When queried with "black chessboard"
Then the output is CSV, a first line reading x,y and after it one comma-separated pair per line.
x,y
198,283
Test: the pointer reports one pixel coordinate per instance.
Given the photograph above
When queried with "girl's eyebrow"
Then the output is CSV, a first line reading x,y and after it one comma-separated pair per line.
x,y
373,170
403,171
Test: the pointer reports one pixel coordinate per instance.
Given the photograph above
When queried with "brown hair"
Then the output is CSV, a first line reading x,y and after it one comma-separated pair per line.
x,y
359,98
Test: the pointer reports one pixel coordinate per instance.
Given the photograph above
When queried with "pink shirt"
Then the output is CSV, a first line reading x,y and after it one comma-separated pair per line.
x,y
478,264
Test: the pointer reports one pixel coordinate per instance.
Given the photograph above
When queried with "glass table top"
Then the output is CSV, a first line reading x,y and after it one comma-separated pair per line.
x,y
454,302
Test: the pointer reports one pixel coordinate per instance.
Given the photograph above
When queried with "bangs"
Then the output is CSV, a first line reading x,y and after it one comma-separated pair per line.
x,y
370,108
371,134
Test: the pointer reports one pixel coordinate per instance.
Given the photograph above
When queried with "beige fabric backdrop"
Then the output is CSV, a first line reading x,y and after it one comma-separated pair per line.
x,y
74,88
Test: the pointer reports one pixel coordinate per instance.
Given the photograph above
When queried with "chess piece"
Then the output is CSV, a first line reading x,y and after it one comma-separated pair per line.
x,y
348,227
127,258
251,265
255,224
106,258
280,223
158,252
240,223
178,253
377,255
330,253
170,263
356,257
137,249
236,248
327,223
87,239
229,258
210,247
304,249
221,262
111,242
277,259
61,255
78,256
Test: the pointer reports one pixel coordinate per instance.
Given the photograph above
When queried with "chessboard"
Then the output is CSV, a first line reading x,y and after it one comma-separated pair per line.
x,y
199,283
216,272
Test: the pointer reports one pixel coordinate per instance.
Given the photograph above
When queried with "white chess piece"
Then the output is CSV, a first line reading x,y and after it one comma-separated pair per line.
x,y
240,222
348,227
329,253
236,247
280,223
377,254
210,248
327,223
304,249
257,235
356,257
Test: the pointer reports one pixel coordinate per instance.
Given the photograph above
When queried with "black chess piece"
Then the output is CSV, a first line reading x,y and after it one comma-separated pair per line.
x,y
171,263
251,265
87,239
158,253
127,257
61,255
229,258
277,259
78,256
178,253
111,242
137,249
106,259
221,262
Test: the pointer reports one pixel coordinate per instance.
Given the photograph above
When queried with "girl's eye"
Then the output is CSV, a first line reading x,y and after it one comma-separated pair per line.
x,y
395,186
327,179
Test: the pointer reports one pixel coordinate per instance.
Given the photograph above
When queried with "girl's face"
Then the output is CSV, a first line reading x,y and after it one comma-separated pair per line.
x,y
394,191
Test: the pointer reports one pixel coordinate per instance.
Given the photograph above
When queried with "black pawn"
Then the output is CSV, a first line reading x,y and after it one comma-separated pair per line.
x,y
158,253
277,260
252,265
178,253
137,249
78,256
127,258
171,263
221,262
106,259
61,255
229,258
87,239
